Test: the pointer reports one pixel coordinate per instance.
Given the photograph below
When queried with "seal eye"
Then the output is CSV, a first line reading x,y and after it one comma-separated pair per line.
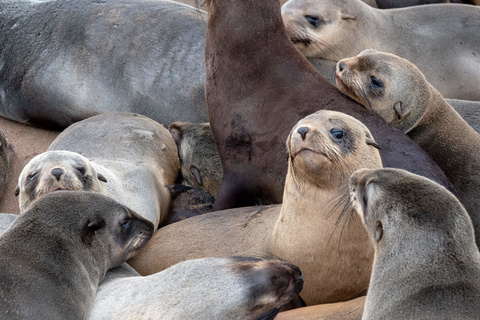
x,y
31,176
378,231
376,83
125,224
81,170
313,20
337,133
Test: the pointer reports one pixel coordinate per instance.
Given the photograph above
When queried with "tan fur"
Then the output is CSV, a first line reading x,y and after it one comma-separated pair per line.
x,y
348,310
201,165
308,229
427,265
413,105
344,28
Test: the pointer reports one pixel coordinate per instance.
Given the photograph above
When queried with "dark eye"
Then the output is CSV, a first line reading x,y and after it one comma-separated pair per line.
x,y
81,170
313,20
125,224
365,199
337,133
32,175
376,83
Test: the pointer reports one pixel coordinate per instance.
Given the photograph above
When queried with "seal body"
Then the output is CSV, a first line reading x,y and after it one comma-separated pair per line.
x,y
209,288
201,166
311,228
334,30
88,58
396,89
424,248
60,250
7,154
250,97
126,156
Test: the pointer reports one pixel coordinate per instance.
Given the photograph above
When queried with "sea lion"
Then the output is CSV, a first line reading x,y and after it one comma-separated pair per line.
x,y
209,288
427,265
396,89
28,141
140,56
309,229
256,96
338,29
347,310
7,154
201,165
55,254
126,156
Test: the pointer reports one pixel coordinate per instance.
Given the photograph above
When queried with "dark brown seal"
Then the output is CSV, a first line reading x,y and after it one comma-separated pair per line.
x,y
255,97
55,254
426,265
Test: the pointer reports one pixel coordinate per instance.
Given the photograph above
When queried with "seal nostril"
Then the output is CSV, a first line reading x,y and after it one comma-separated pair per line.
x,y
303,132
57,172
341,66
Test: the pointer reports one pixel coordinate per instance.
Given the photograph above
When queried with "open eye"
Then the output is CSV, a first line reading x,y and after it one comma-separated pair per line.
x,y
376,83
337,133
315,21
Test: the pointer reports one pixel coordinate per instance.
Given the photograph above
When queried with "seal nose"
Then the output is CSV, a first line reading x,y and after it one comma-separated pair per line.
x,y
303,132
57,172
341,66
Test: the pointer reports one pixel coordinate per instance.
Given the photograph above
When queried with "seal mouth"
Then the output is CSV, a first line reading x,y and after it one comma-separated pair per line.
x,y
307,151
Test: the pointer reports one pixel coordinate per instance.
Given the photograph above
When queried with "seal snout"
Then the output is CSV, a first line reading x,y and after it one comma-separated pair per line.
x,y
341,66
57,172
303,132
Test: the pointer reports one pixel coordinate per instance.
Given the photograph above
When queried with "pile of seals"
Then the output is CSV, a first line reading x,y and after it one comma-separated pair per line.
x,y
140,209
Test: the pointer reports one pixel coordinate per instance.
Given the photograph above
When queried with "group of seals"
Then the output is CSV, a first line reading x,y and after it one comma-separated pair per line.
x,y
209,288
126,156
310,228
140,56
55,254
338,29
396,89
427,265
250,94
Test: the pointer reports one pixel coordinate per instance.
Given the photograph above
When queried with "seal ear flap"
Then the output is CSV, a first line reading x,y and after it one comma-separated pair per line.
x,y
369,141
17,191
176,131
346,16
197,174
101,177
398,109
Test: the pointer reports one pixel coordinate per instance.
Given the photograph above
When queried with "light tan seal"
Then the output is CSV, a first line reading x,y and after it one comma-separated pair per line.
x,y
126,156
210,288
55,254
427,265
310,229
396,89
201,166
338,29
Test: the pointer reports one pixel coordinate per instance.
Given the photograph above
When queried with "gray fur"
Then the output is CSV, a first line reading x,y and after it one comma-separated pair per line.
x,y
55,254
426,265
209,288
63,61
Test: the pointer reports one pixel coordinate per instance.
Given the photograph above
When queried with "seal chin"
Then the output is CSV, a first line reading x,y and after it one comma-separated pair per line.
x,y
307,152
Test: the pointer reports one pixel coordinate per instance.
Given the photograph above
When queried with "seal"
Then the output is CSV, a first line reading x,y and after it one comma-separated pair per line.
x,y
334,30
310,228
347,310
132,160
152,62
413,222
201,166
208,288
250,96
7,153
61,248
396,89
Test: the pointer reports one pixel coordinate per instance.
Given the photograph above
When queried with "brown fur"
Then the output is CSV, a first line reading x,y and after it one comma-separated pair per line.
x,y
413,105
427,265
348,310
254,98
311,227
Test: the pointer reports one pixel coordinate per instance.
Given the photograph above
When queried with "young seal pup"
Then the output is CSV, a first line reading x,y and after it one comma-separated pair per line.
x,y
256,96
126,156
427,265
55,254
201,166
309,229
396,89
209,288
338,29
